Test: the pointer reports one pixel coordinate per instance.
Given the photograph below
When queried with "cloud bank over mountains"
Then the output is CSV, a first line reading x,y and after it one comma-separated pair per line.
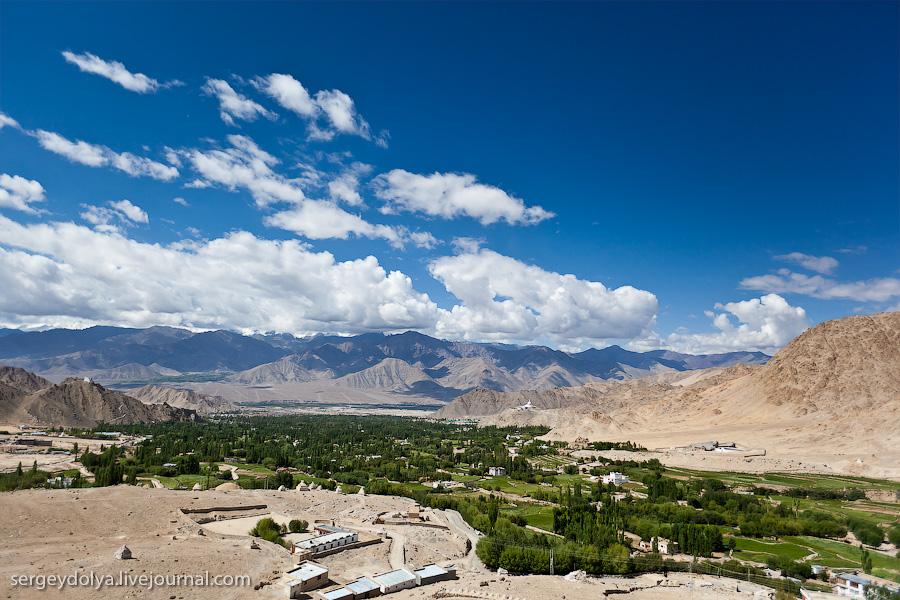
x,y
60,273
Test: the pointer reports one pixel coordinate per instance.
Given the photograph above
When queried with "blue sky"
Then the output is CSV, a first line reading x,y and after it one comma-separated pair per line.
x,y
696,176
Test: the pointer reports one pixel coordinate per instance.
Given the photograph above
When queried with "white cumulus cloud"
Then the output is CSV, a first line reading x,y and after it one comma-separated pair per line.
x,y
114,71
19,193
322,219
289,93
95,155
59,274
785,281
244,166
80,152
503,298
328,112
764,324
341,113
233,105
450,195
345,187
820,264
131,212
107,218
7,121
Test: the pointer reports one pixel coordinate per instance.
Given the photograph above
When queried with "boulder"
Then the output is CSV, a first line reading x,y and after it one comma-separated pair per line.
x,y
123,553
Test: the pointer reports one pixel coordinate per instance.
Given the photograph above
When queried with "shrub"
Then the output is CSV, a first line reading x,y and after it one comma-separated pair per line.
x,y
297,525
270,531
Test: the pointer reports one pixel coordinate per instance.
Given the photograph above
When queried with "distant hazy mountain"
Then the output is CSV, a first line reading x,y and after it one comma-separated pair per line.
x,y
409,363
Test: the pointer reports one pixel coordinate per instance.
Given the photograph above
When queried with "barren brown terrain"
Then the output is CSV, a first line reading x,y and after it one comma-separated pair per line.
x,y
64,532
829,401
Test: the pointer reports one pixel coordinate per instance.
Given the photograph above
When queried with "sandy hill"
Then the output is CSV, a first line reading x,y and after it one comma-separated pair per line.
x,y
284,370
391,374
204,404
75,403
834,390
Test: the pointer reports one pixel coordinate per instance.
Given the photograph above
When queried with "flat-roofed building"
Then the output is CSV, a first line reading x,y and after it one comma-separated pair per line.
x,y
432,574
323,543
813,595
338,594
615,478
394,581
308,575
666,546
854,584
364,588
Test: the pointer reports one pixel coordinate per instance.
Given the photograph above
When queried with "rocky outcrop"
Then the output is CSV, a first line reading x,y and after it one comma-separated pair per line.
x,y
83,403
204,404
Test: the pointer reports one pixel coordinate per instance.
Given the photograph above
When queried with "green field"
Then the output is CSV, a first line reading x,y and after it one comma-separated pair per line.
x,y
746,547
800,480
537,516
187,481
846,508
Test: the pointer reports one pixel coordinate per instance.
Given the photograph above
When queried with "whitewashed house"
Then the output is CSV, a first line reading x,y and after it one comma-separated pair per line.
x,y
615,478
308,575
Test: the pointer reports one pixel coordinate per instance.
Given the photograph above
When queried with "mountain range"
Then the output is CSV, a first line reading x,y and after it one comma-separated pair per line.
x,y
408,363
833,391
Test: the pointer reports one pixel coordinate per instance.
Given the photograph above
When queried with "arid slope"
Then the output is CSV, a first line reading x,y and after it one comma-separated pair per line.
x,y
834,390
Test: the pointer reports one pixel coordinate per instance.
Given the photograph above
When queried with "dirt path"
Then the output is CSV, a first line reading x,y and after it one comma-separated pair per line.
x,y
398,554
544,531
472,562
232,468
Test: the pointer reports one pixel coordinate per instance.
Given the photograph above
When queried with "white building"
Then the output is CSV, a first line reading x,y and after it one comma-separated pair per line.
x,y
854,585
364,587
496,471
394,581
666,546
307,576
325,542
338,594
811,595
432,574
615,478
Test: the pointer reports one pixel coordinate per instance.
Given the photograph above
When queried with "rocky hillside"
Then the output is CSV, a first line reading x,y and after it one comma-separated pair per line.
x,y
22,380
606,396
204,404
76,403
842,366
836,387
285,370
391,375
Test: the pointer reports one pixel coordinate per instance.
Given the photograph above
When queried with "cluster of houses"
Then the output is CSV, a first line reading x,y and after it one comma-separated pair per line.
x,y
310,575
663,546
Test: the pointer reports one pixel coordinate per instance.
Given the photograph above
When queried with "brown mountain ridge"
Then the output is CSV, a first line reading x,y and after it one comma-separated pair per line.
x,y
28,399
834,392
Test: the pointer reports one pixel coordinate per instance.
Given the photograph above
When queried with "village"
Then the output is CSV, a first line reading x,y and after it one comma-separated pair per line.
x,y
459,484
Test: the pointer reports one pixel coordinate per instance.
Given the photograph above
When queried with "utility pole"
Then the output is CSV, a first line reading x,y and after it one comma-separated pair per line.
x,y
551,561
